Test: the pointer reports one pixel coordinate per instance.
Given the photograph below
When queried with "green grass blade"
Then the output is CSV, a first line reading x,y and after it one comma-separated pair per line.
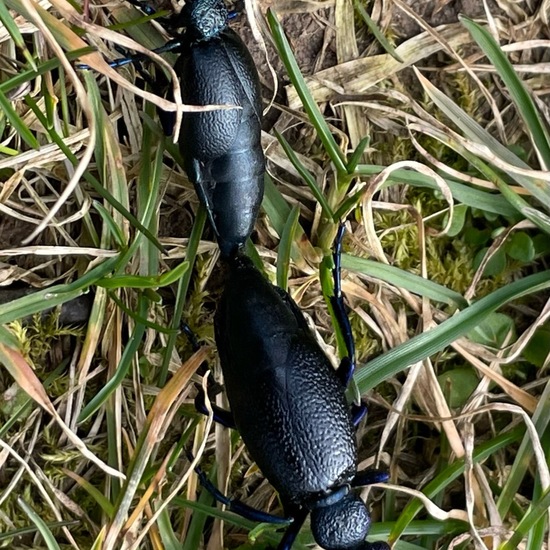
x,y
23,531
183,286
111,225
522,460
17,122
278,211
285,248
541,220
41,525
310,107
142,282
473,131
98,188
123,367
357,154
54,295
103,502
488,202
384,42
47,66
450,474
536,512
403,279
142,320
519,94
434,340
166,532
306,176
16,36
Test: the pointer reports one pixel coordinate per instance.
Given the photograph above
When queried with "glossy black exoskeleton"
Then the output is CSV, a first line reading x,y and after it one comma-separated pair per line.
x,y
222,149
289,405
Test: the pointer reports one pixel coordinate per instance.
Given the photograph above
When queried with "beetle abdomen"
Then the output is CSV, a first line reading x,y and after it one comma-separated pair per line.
x,y
222,149
209,79
286,399
300,434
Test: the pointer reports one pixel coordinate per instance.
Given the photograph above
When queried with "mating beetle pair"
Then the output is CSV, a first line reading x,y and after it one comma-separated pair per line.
x,y
287,401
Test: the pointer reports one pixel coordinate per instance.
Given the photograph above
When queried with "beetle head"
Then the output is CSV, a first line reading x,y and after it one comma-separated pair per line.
x,y
204,19
341,525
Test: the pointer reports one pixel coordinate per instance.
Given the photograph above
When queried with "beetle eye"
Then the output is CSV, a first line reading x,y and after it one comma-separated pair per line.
x,y
342,525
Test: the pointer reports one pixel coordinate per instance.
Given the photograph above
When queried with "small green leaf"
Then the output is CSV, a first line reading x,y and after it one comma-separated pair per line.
x,y
521,247
494,331
476,237
495,266
458,385
538,348
459,217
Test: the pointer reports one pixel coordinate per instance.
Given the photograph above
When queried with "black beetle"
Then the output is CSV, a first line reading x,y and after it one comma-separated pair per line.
x,y
222,149
289,405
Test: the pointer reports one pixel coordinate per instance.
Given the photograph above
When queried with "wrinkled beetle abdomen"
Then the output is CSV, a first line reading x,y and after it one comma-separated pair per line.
x,y
222,149
287,402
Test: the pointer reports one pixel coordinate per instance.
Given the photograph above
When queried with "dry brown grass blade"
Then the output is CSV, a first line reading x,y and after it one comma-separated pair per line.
x,y
163,410
521,397
156,483
40,487
538,450
178,486
346,50
45,22
451,50
23,374
96,61
47,154
435,511
59,250
429,394
361,74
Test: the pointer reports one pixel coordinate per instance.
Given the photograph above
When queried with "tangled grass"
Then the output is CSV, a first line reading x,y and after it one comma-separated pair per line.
x,y
435,152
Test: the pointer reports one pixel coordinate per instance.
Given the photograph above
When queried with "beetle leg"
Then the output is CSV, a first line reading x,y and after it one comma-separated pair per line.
x,y
221,416
347,366
299,515
194,173
135,58
368,477
358,412
293,529
235,505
